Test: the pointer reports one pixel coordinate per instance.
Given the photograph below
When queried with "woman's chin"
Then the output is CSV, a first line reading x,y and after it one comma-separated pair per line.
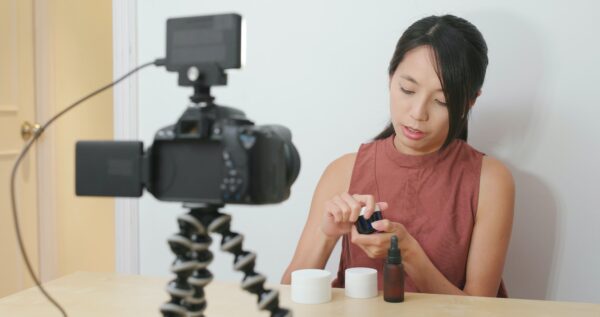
x,y
410,146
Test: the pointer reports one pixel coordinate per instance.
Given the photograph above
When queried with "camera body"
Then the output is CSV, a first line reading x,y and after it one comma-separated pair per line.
x,y
213,154
235,160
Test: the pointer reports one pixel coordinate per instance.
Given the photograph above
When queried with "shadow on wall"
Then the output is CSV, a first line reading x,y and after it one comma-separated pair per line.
x,y
529,266
506,123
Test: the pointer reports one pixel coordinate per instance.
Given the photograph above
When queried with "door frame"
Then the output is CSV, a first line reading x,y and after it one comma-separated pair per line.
x,y
46,171
125,116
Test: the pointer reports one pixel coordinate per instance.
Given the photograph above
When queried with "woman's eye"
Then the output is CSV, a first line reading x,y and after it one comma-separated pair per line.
x,y
441,103
408,92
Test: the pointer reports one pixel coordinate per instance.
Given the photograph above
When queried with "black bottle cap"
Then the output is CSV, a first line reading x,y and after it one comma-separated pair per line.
x,y
394,256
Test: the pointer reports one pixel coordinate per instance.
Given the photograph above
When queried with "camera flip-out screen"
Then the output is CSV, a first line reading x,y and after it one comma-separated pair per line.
x,y
106,168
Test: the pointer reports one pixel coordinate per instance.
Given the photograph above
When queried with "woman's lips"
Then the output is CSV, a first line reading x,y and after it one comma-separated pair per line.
x,y
412,134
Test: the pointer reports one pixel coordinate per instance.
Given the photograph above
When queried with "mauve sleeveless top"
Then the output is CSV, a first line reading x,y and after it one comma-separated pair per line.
x,y
434,196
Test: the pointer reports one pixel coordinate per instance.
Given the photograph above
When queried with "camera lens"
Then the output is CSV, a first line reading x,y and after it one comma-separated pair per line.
x,y
292,158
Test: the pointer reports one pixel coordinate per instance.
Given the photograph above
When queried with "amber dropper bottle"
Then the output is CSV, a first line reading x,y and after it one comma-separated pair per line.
x,y
393,274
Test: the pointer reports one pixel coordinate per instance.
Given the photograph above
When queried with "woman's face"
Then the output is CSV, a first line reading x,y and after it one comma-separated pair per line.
x,y
417,104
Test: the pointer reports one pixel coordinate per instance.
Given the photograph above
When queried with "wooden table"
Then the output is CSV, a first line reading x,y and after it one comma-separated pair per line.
x,y
108,294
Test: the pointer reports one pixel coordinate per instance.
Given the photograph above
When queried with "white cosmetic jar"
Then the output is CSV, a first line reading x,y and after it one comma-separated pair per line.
x,y
361,282
311,286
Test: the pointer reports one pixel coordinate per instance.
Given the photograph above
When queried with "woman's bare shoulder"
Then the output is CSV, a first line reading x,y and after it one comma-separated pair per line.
x,y
339,172
344,162
496,190
495,172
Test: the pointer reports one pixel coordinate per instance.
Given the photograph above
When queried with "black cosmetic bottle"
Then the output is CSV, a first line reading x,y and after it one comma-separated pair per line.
x,y
363,225
393,274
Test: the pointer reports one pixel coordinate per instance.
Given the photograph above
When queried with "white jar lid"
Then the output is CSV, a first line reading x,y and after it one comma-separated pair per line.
x,y
361,282
311,286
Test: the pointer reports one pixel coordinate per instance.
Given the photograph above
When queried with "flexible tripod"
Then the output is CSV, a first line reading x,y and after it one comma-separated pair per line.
x,y
191,246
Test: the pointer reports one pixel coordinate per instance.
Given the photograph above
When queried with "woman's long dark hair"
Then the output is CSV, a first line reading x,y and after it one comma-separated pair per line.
x,y
461,61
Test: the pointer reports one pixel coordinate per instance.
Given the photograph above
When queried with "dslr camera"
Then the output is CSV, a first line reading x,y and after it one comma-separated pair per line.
x,y
213,154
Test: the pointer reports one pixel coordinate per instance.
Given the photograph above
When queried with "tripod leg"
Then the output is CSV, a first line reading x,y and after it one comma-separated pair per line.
x,y
243,261
183,266
191,246
196,303
190,226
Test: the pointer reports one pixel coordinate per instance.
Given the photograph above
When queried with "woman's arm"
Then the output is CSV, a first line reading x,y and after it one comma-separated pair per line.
x,y
314,247
489,240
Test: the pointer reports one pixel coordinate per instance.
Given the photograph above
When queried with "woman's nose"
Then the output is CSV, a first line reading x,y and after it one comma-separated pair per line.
x,y
418,111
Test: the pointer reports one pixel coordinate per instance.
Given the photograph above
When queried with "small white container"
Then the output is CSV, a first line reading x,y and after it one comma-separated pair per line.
x,y
361,282
311,286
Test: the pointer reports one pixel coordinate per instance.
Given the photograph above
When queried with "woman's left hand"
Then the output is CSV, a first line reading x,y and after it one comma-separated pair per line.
x,y
376,245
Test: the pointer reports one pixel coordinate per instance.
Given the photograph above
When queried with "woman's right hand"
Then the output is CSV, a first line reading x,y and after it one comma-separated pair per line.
x,y
342,211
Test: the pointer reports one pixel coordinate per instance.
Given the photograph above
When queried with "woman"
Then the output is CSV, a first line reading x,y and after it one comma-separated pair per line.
x,y
450,206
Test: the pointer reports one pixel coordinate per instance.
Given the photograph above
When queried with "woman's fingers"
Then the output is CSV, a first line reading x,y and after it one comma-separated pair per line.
x,y
391,228
383,205
333,211
368,201
369,243
376,245
354,205
345,210
384,225
364,240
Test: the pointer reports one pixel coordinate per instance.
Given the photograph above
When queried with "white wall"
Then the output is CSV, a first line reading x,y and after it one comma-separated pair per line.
x,y
319,67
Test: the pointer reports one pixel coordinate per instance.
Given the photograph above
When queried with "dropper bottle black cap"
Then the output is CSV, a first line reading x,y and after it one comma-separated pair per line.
x,y
394,256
